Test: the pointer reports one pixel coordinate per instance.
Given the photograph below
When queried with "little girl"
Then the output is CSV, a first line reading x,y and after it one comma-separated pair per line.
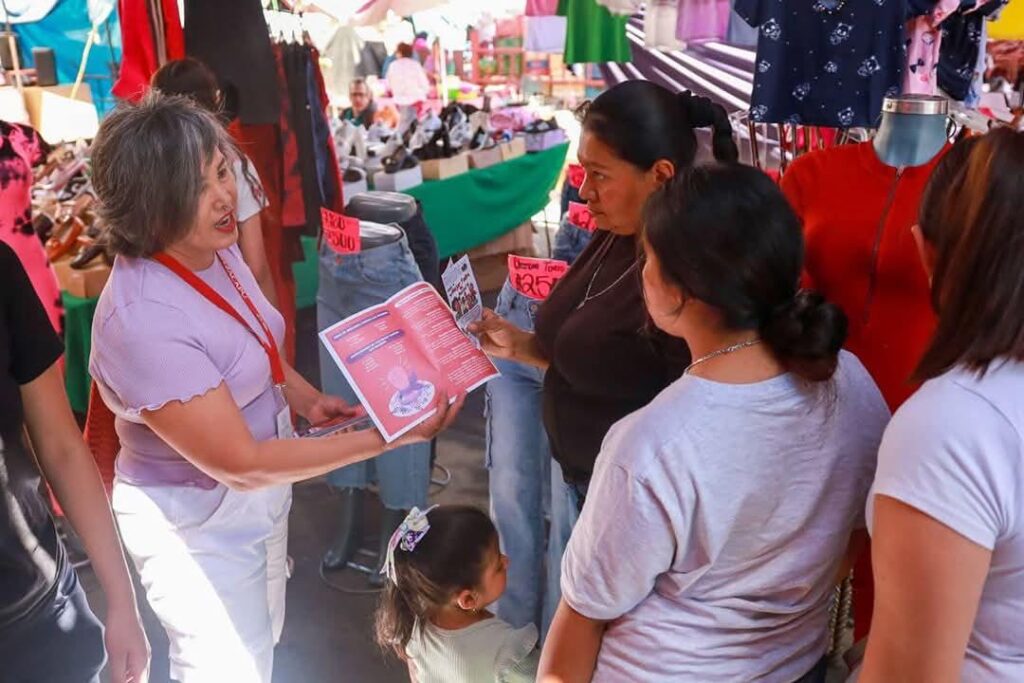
x,y
444,571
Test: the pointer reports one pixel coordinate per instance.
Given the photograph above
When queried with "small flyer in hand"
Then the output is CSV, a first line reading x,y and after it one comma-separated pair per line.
x,y
463,292
399,354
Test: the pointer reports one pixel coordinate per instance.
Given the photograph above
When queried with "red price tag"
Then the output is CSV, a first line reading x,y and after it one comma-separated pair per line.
x,y
576,175
580,216
535,277
340,232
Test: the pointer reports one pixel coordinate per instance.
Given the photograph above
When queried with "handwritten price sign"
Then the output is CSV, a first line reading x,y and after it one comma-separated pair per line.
x,y
580,216
535,277
340,232
576,175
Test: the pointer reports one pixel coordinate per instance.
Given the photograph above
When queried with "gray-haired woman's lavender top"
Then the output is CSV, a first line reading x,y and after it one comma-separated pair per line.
x,y
156,340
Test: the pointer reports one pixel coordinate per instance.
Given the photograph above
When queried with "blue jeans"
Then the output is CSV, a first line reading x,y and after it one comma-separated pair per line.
x,y
525,484
570,241
348,285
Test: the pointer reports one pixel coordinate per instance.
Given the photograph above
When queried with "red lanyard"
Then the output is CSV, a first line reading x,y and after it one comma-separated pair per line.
x,y
267,341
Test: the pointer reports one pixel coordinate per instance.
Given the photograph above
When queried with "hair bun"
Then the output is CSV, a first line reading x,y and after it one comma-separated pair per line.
x,y
806,334
701,112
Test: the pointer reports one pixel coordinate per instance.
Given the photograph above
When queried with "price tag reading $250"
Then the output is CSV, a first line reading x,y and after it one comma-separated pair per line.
x,y
535,277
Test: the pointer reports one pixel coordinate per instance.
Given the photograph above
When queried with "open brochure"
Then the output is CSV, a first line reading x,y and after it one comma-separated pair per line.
x,y
399,354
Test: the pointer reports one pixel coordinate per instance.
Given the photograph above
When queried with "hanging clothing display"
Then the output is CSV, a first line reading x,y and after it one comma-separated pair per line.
x,y
963,42
242,59
702,19
151,36
545,34
344,52
825,63
541,8
660,19
849,202
593,33
923,45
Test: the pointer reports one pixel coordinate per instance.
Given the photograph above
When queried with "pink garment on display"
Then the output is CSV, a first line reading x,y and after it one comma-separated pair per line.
x,y
20,150
919,78
702,19
541,8
408,82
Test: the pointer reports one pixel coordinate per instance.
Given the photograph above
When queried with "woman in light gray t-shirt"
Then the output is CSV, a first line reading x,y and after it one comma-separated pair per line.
x,y
947,506
718,518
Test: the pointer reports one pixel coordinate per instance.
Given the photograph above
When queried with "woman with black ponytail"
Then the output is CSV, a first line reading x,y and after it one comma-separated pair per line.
x,y
719,516
600,364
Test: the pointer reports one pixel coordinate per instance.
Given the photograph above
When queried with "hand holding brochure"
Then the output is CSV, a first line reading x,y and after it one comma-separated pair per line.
x,y
399,354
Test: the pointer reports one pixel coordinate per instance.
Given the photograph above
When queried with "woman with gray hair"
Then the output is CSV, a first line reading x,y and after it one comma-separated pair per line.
x,y
186,355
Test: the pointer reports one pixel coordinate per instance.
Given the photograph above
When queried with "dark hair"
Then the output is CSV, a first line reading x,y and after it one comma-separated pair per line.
x,y
147,169
644,122
191,78
448,559
977,229
404,50
725,235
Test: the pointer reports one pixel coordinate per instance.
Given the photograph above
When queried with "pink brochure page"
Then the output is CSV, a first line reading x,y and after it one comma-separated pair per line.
x,y
392,368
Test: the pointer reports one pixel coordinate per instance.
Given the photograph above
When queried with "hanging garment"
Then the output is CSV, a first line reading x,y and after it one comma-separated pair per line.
x,y
151,35
963,41
593,34
660,19
343,52
231,37
740,33
827,63
296,80
702,19
293,209
923,47
327,166
621,7
21,149
541,8
545,34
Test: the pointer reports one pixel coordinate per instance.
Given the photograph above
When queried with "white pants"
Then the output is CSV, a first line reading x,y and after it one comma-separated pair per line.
x,y
213,567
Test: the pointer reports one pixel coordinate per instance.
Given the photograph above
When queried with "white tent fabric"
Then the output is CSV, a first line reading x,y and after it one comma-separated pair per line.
x,y
25,11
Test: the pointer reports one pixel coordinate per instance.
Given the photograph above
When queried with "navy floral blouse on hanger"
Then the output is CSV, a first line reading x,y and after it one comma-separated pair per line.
x,y
826,62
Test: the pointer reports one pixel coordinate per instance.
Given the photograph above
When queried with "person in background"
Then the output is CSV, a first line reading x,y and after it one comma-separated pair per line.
x,y
47,630
735,492
445,569
599,360
364,111
407,79
186,352
193,79
946,511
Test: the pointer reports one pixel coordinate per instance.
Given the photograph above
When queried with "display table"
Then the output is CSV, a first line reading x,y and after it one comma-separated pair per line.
x,y
473,208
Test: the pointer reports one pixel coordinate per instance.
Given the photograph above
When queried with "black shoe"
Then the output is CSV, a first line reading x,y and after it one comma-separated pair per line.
x,y
350,532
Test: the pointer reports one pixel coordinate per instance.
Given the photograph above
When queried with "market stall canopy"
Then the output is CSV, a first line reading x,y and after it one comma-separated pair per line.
x,y
376,11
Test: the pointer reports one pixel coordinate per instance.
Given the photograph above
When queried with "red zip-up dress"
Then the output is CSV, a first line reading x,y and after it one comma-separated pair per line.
x,y
860,253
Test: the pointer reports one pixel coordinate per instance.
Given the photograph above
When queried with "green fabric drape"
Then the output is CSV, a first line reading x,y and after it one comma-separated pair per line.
x,y
476,207
78,313
593,34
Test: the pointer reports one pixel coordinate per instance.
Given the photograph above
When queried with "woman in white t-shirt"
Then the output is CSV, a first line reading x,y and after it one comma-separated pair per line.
x,y
191,78
719,516
947,506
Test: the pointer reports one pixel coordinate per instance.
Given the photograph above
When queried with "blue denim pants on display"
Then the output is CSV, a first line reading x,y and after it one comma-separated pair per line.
x,y
522,479
570,241
348,285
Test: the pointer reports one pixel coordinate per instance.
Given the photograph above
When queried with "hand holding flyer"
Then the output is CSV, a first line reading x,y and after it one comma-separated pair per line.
x,y
399,355
535,277
463,292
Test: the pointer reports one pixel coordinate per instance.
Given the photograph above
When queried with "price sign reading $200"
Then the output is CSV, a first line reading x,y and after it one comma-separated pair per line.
x,y
535,277
340,232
